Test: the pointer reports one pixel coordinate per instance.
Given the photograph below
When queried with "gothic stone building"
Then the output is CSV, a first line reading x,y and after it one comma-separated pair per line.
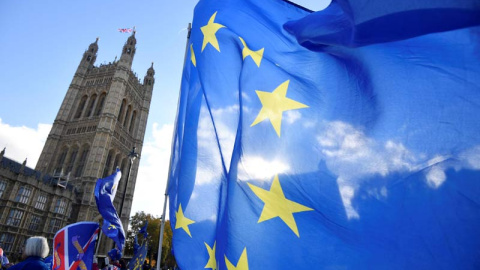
x,y
102,117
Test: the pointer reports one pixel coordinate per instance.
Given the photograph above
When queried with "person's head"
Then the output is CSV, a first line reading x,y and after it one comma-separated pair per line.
x,y
1,252
114,255
36,246
122,263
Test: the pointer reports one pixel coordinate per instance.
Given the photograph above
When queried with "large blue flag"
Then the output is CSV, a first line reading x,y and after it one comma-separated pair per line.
x,y
344,153
74,246
105,190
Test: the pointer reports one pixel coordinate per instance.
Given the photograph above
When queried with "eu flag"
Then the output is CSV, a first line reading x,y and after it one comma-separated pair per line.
x,y
74,246
138,257
105,190
316,143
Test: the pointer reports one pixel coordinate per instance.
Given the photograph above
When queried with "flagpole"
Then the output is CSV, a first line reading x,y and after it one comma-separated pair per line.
x,y
159,255
98,242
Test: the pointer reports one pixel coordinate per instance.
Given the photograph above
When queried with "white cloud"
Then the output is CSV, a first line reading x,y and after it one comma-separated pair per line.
x,y
472,158
153,172
257,168
347,193
436,176
352,156
23,142
292,116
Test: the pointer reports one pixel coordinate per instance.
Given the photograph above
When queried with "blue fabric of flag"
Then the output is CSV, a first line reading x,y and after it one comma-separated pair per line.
x,y
136,246
105,190
138,258
363,22
301,145
143,230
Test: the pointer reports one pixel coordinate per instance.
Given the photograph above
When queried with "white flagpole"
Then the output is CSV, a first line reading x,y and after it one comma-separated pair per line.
x,y
159,256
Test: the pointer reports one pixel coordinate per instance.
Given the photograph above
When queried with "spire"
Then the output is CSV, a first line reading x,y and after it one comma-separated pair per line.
x,y
90,55
149,77
129,49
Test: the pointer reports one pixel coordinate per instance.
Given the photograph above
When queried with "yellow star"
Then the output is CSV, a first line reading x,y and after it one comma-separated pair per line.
x,y
182,221
276,205
274,104
209,32
192,55
256,55
242,262
212,262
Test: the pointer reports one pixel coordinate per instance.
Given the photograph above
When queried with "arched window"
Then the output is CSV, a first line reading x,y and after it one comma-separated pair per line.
x,y
132,121
82,161
127,115
122,108
91,105
123,167
116,162
108,163
81,105
61,160
100,103
71,159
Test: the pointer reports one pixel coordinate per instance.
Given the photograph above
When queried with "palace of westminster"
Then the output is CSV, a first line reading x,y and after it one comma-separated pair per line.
x,y
102,117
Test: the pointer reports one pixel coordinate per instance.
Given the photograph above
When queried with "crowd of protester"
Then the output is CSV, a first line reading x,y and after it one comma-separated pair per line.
x,y
35,252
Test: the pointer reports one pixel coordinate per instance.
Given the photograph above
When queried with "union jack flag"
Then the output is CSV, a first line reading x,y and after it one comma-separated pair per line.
x,y
124,30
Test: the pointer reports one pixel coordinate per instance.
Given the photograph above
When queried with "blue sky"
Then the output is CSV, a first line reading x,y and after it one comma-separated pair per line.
x,y
42,44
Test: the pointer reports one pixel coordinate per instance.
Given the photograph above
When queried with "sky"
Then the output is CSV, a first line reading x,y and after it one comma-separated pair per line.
x,y
42,45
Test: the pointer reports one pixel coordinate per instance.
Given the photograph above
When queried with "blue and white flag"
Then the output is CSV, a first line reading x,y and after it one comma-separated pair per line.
x,y
105,190
325,141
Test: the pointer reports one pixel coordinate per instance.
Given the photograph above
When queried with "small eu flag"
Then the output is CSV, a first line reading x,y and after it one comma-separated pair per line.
x,y
328,140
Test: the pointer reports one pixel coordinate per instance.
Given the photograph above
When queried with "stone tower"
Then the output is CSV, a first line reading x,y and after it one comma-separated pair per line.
x,y
102,117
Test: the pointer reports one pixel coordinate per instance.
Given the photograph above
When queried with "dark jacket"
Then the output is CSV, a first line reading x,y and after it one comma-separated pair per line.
x,y
30,263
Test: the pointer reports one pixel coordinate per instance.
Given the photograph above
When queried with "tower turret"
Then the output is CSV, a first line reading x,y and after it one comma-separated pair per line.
x,y
149,79
90,55
128,51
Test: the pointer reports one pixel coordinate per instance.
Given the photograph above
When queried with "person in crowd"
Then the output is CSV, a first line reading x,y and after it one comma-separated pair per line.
x,y
49,261
95,263
36,248
3,259
146,266
123,265
112,260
